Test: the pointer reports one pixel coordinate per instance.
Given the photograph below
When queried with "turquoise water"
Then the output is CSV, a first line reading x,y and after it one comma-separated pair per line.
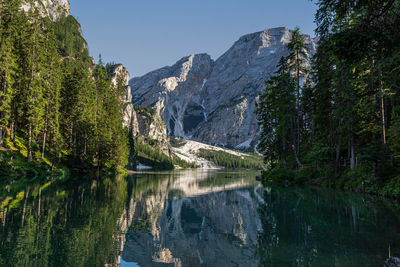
x,y
192,218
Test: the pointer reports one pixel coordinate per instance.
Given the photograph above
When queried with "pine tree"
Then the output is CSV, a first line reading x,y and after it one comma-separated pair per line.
x,y
276,112
297,60
8,65
52,93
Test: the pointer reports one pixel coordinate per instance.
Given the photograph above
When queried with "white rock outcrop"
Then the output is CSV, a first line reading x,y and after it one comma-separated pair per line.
x,y
54,9
120,72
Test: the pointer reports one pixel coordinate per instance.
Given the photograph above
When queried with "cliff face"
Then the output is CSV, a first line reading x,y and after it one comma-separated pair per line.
x,y
175,92
148,125
142,122
119,74
214,102
54,9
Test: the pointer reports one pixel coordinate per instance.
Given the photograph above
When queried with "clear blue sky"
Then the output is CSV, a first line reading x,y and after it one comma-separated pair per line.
x,y
148,34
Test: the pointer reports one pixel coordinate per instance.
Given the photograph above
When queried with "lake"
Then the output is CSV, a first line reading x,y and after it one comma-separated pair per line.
x,y
192,218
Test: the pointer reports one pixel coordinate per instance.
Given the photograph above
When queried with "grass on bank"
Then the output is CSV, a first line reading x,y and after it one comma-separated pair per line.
x,y
14,162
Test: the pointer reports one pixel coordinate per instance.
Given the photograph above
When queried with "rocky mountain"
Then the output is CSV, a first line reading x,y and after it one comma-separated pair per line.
x,y
174,91
54,9
148,126
119,73
215,102
142,122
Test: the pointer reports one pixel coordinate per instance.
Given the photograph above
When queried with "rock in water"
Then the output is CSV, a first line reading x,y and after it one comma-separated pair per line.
x,y
215,102
392,262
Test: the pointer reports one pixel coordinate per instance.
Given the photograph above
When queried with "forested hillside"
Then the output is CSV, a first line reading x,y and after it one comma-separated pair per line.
x,y
57,108
335,119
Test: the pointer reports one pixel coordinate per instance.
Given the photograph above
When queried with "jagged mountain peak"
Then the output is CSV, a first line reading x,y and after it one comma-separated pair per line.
x,y
214,101
171,89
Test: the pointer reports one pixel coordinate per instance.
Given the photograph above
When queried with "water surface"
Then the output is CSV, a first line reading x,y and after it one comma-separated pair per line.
x,y
192,218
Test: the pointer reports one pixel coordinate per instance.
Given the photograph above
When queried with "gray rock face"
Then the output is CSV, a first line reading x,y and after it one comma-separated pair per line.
x,y
143,122
149,126
54,9
120,73
175,92
214,102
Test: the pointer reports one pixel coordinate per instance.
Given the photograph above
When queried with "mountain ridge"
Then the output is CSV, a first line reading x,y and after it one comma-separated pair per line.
x,y
215,102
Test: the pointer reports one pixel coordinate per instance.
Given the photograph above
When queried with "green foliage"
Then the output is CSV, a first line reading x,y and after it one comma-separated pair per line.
x,y
153,157
392,188
177,142
340,128
53,98
70,42
51,232
149,112
227,160
182,163
281,106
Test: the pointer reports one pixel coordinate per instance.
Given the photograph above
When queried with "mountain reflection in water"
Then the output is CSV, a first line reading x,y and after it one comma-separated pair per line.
x,y
192,218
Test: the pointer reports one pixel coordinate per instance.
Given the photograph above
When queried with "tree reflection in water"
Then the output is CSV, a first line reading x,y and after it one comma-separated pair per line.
x,y
315,227
190,218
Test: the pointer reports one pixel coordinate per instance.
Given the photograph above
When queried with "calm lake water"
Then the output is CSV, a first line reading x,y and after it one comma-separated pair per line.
x,y
192,218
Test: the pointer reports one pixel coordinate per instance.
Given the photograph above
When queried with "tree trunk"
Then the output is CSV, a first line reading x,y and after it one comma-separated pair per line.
x,y
383,118
51,143
297,159
11,129
1,136
294,144
30,89
298,108
39,203
85,146
352,153
75,146
14,133
337,161
45,136
284,153
30,143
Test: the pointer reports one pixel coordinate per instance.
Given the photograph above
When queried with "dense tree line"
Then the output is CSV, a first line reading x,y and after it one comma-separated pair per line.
x,y
53,97
149,153
227,160
340,115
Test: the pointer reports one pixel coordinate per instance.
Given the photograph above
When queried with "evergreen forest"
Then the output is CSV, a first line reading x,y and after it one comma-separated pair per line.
x,y
58,109
334,118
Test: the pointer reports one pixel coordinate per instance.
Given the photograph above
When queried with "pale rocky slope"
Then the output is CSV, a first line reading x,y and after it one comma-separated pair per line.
x,y
190,149
54,9
214,102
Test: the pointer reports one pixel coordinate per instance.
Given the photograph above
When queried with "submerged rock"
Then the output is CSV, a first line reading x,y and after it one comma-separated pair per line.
x,y
392,262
